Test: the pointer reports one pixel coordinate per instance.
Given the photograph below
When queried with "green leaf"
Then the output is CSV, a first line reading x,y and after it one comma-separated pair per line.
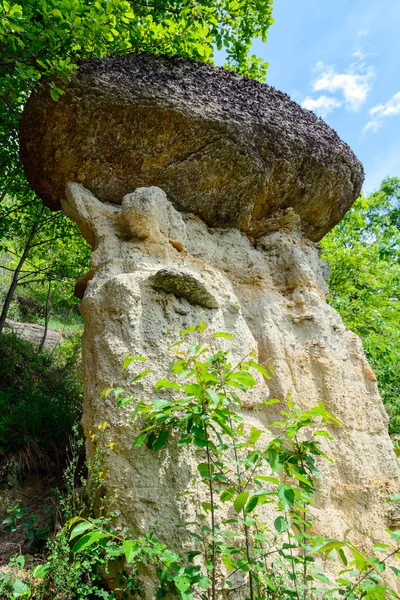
x,y
131,550
201,327
267,478
182,583
193,389
395,498
252,504
360,560
274,462
322,577
20,561
80,528
254,435
302,478
40,571
204,582
329,546
286,495
223,334
160,403
212,395
54,94
259,368
240,501
165,383
281,525
342,556
322,433
227,495
129,359
121,402
204,470
161,440
21,589
88,540
270,402
140,440
140,375
228,562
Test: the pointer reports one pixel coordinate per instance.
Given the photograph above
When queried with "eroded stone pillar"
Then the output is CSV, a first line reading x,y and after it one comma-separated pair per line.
x,y
251,181
164,271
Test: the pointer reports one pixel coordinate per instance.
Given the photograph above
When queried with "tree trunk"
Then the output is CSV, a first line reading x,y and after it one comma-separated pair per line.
x,y
46,319
14,282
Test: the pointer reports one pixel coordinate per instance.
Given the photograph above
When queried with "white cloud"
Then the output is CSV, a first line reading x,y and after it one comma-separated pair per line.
x,y
354,84
322,105
359,55
390,109
373,125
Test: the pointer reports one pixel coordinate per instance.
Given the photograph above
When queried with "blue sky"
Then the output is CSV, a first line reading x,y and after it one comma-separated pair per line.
x,y
341,58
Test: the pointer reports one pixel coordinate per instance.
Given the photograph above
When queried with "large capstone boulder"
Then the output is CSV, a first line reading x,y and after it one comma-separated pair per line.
x,y
226,148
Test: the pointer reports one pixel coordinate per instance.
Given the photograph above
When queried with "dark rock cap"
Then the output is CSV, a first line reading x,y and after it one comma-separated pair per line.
x,y
224,147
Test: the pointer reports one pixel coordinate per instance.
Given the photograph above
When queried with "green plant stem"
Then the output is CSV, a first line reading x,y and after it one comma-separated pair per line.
x,y
241,566
367,573
305,592
292,561
246,529
211,490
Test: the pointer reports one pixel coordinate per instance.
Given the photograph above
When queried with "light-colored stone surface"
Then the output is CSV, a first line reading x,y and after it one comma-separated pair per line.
x,y
32,332
271,298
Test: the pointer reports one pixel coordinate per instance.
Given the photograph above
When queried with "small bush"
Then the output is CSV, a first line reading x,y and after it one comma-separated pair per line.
x,y
40,398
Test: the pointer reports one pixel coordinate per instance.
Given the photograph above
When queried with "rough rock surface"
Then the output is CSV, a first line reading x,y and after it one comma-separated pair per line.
x,y
226,148
34,333
272,298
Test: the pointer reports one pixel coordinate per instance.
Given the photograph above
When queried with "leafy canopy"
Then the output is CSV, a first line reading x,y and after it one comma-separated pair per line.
x,y
47,37
364,255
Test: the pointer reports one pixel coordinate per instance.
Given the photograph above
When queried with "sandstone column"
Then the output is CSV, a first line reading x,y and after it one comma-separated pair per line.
x,y
246,183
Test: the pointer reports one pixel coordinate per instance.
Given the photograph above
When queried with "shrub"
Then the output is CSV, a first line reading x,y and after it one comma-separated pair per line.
x,y
40,399
240,468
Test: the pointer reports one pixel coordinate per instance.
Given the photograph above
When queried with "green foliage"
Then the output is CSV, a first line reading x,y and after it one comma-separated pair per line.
x,y
40,399
246,476
19,518
46,38
44,253
57,253
363,251
241,468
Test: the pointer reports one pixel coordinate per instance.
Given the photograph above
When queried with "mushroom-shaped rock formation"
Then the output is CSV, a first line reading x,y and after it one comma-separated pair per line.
x,y
147,155
226,148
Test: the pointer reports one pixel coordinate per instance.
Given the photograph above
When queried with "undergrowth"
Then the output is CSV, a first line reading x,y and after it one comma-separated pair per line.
x,y
253,525
40,400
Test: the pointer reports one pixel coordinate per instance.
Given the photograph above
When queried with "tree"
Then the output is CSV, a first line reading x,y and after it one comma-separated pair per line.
x,y
47,38
41,247
364,255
